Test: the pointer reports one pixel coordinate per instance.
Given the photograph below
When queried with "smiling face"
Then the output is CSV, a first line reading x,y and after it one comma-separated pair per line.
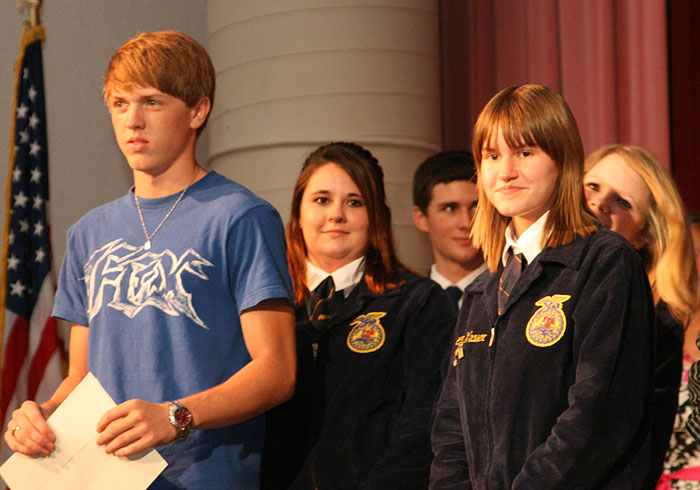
x,y
154,130
619,197
520,182
448,220
333,218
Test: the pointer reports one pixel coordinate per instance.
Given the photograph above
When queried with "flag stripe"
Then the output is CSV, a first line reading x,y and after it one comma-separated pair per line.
x,y
15,355
42,356
32,348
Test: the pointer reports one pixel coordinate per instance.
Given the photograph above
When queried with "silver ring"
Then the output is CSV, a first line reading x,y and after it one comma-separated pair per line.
x,y
15,430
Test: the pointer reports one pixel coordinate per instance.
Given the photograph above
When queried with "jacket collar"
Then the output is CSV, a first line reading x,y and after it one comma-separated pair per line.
x,y
353,304
570,256
345,278
529,243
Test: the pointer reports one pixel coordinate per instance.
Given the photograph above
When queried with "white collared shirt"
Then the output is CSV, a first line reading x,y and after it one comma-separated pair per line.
x,y
345,278
462,283
529,243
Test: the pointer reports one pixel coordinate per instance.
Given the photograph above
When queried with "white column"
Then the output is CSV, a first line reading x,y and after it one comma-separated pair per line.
x,y
295,74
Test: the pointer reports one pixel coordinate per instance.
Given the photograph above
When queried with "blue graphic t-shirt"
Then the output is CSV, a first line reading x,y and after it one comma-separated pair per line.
x,y
164,322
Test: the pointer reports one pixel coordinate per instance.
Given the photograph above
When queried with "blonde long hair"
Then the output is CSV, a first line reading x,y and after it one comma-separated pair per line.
x,y
668,248
533,115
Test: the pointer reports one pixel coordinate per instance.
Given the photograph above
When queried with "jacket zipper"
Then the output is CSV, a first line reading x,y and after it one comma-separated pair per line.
x,y
491,354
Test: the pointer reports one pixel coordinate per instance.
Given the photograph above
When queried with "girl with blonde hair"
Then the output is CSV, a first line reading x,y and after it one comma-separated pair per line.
x,y
658,230
630,192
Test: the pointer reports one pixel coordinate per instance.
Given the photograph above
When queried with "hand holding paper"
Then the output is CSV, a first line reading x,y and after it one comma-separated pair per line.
x,y
134,426
77,461
28,432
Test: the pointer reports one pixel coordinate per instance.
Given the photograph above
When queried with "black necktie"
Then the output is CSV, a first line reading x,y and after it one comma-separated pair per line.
x,y
323,302
455,294
511,272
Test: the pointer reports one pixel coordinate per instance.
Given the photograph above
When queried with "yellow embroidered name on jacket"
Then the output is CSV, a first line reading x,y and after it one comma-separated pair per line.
x,y
470,336
475,337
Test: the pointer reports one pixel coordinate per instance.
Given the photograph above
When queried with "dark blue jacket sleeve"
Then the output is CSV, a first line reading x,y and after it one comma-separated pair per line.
x,y
449,468
667,378
406,462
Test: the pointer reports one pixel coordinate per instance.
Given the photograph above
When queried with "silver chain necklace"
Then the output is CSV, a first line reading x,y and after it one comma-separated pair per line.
x,y
147,245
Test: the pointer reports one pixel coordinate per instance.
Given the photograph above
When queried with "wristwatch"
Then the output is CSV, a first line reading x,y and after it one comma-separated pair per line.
x,y
181,418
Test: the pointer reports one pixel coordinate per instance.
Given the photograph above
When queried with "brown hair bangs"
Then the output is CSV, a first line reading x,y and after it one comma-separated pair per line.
x,y
169,61
533,115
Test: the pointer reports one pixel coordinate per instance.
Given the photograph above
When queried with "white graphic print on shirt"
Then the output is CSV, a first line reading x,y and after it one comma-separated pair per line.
x,y
140,278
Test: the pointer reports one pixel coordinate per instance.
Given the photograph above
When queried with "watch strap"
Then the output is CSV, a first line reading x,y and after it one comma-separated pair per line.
x,y
179,417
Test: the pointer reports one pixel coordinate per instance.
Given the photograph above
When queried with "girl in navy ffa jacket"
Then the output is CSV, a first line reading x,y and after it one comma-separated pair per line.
x,y
550,387
632,193
370,348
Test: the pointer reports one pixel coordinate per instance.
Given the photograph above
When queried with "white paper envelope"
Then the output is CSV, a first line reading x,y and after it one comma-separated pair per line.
x,y
77,461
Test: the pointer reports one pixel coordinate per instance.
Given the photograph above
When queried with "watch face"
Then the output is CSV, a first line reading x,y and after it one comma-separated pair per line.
x,y
182,417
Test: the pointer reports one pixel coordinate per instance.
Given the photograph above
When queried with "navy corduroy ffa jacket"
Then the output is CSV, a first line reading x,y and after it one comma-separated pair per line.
x,y
555,392
360,416
667,379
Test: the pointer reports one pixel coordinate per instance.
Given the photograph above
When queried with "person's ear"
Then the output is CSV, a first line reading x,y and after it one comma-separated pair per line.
x,y
420,219
200,111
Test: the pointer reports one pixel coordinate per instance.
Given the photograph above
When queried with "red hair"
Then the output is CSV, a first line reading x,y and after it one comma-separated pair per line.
x,y
381,262
169,61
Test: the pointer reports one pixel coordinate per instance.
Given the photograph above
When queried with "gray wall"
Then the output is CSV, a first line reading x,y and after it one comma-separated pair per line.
x,y
85,165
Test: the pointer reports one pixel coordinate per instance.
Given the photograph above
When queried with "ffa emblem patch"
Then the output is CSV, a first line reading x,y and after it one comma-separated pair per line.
x,y
367,334
547,326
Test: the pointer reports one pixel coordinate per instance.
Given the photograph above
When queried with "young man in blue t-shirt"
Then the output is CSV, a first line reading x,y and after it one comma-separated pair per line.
x,y
178,292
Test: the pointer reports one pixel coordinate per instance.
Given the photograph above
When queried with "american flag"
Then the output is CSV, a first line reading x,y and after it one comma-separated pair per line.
x,y
32,354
